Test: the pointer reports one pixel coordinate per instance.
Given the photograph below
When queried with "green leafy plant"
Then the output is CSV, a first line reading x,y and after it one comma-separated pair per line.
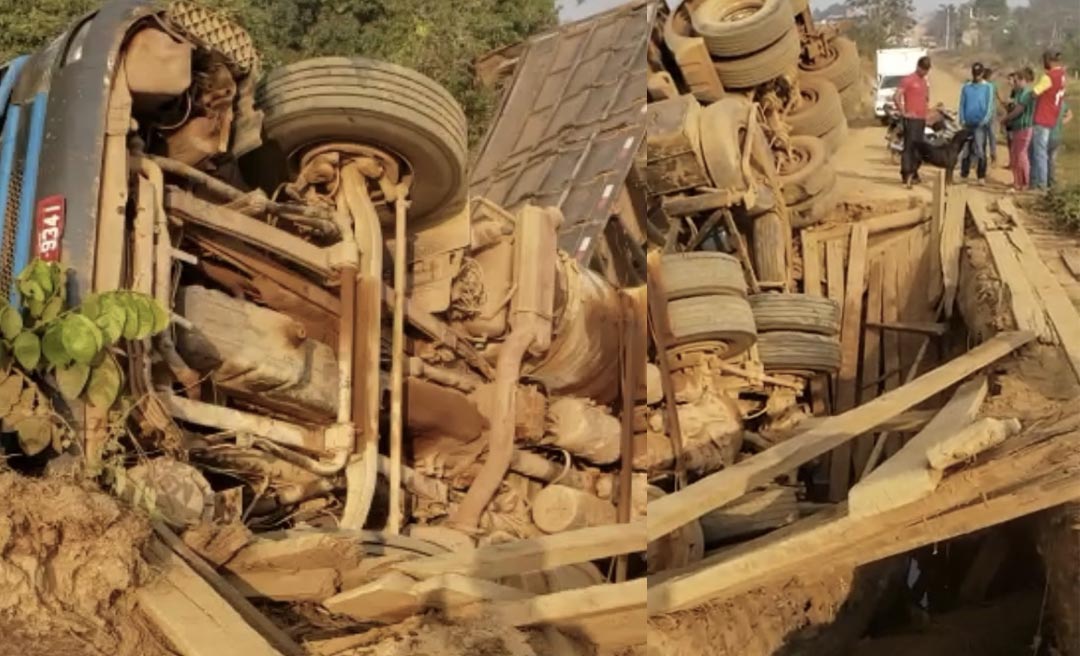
x,y
1063,206
70,348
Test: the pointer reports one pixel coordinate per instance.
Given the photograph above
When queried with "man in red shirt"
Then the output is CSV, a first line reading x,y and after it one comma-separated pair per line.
x,y
913,101
1050,94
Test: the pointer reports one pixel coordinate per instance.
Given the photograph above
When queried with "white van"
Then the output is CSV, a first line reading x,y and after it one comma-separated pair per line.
x,y
893,64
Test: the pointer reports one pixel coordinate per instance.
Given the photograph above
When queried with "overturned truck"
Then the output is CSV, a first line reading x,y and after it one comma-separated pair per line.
x,y
353,341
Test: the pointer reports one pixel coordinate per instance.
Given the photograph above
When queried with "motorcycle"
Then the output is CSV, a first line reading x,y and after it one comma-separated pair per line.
x,y
941,125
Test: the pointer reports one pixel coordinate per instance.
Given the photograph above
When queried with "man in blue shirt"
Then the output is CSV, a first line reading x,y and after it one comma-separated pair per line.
x,y
976,113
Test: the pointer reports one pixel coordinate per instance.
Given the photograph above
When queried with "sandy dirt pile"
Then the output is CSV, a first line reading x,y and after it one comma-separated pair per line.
x,y
69,560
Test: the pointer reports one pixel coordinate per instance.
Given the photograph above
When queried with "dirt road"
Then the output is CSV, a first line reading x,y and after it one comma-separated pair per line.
x,y
864,159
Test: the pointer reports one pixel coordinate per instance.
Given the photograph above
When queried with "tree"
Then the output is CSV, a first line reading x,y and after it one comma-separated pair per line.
x,y
881,23
440,39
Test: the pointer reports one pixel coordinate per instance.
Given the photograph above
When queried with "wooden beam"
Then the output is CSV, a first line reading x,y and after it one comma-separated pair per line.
x,y
907,476
870,371
964,445
674,510
387,599
247,612
937,220
1063,315
1042,470
912,420
1027,311
194,618
569,608
534,555
921,327
847,379
950,243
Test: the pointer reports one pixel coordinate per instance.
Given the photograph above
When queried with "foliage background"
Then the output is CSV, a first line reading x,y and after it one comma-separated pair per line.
x,y
440,38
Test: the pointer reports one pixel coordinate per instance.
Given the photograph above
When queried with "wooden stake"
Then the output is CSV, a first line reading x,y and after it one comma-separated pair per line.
x,y
661,332
397,365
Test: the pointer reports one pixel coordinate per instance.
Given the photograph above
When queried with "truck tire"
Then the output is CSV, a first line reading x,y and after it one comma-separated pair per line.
x,y
795,351
852,100
735,28
797,312
722,125
357,100
770,248
815,210
842,68
726,319
807,172
834,139
819,109
781,58
702,273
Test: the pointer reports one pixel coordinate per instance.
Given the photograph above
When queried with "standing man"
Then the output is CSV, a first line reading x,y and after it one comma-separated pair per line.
x,y
1064,118
1019,122
1050,94
976,112
912,100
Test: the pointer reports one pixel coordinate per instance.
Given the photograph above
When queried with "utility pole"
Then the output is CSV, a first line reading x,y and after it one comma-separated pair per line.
x,y
948,26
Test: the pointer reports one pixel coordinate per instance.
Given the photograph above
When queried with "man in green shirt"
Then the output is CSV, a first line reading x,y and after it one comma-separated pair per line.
x,y
1064,117
1020,122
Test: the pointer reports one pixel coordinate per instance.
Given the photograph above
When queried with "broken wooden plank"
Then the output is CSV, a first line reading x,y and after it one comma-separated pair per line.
x,y
568,608
871,361
1027,311
847,379
1041,471
270,631
674,510
951,241
912,420
907,476
194,618
312,584
448,591
964,445
387,599
536,554
933,328
1063,315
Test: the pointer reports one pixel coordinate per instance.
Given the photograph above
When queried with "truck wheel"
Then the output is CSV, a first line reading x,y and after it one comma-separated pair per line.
x,y
798,312
819,109
357,100
794,351
807,172
726,319
770,248
722,125
781,58
814,210
702,273
733,28
842,68
834,139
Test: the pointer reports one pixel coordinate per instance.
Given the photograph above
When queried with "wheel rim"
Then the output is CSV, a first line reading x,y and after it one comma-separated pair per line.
x,y
739,11
799,160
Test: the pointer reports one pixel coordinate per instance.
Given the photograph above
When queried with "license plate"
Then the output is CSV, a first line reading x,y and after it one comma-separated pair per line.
x,y
49,224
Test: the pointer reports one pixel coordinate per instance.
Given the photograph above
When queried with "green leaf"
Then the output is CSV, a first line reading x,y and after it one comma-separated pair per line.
x,y
11,323
27,349
10,392
52,345
104,385
47,276
131,316
52,308
72,380
35,434
32,291
145,307
35,306
161,317
92,306
81,337
112,328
